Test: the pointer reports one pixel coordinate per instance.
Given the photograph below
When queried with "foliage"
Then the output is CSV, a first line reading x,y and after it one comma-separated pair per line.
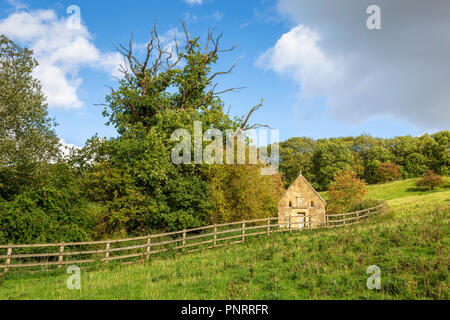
x,y
240,192
295,157
133,177
27,140
388,172
430,180
51,213
345,191
319,159
331,157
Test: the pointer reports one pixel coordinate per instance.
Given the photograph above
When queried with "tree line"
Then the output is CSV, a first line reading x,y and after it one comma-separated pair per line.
x,y
375,160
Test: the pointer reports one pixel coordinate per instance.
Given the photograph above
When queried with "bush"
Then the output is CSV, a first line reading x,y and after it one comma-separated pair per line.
x,y
388,172
430,180
345,192
53,212
44,215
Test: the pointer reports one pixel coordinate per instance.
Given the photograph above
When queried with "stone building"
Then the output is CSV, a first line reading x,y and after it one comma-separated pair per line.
x,y
302,206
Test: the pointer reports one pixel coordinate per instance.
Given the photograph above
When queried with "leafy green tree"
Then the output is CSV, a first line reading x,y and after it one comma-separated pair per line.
x,y
296,155
164,91
27,139
370,152
440,153
331,156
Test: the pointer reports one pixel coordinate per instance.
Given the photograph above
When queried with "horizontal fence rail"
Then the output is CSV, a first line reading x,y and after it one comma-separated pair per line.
x,y
190,240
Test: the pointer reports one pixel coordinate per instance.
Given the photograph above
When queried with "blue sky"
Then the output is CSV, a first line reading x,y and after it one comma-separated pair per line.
x,y
264,32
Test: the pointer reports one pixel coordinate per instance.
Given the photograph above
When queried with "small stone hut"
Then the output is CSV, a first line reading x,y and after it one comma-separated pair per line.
x,y
301,206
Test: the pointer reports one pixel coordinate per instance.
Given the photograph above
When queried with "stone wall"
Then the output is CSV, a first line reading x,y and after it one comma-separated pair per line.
x,y
300,187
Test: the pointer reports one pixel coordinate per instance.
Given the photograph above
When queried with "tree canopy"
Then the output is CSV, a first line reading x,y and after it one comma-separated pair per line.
x,y
27,138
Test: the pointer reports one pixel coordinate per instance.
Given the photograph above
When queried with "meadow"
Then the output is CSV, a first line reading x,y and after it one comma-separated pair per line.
x,y
409,242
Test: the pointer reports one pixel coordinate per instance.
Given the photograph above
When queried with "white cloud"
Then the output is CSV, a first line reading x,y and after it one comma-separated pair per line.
x,y
400,71
297,55
191,2
66,148
60,51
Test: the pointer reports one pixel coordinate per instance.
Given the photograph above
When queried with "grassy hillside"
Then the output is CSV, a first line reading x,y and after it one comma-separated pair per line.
x,y
397,189
410,243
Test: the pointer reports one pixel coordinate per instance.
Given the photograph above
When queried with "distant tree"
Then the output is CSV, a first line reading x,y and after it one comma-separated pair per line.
x,y
27,139
330,157
346,191
415,164
371,152
440,152
296,156
430,180
388,172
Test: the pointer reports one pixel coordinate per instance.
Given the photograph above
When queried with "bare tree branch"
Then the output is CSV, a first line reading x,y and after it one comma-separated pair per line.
x,y
243,125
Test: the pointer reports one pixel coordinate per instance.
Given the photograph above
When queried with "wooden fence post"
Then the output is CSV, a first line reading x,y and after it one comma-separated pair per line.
x,y
184,238
243,231
149,245
61,257
215,236
289,225
8,259
108,246
268,226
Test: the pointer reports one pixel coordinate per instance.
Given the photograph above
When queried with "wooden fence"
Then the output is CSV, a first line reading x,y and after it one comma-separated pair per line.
x,y
59,254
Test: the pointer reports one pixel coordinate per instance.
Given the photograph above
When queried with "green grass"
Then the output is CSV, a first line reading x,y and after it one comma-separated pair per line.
x,y
410,243
397,189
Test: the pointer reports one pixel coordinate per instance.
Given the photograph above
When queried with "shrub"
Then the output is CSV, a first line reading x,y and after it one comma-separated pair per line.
x,y
53,212
345,192
44,215
388,172
430,180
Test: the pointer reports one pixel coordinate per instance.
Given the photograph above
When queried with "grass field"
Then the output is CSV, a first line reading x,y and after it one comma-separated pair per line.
x,y
410,244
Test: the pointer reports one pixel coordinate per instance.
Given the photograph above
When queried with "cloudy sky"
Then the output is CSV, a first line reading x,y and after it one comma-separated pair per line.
x,y
319,68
